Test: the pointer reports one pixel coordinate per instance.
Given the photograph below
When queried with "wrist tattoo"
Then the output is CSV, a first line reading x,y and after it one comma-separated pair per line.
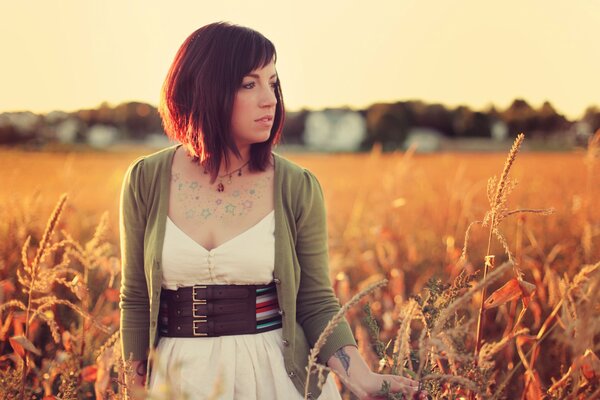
x,y
344,359
142,368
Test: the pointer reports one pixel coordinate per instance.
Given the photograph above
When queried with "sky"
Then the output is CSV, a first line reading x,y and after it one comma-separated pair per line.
x,y
73,54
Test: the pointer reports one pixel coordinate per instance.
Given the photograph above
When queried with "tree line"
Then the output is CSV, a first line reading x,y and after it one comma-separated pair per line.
x,y
387,123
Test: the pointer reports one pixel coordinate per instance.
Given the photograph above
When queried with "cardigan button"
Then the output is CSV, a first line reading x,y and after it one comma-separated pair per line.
x,y
286,342
291,374
277,281
281,312
153,324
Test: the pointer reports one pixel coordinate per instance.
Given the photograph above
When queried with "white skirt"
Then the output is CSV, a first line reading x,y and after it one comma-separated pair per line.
x,y
240,367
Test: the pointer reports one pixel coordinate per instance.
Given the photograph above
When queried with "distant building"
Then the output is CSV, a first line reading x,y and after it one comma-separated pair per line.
x,y
499,130
581,131
424,140
334,130
66,131
102,136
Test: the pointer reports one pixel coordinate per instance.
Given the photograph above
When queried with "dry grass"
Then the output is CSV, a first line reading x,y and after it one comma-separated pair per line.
x,y
400,217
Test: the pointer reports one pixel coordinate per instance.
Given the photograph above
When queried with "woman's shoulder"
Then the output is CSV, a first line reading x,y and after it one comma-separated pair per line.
x,y
150,165
297,182
291,170
158,157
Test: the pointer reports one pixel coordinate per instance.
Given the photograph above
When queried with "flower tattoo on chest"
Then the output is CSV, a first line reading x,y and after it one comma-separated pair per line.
x,y
202,203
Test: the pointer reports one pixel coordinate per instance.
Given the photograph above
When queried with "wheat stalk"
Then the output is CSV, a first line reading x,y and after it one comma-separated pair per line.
x,y
312,357
401,347
499,202
34,269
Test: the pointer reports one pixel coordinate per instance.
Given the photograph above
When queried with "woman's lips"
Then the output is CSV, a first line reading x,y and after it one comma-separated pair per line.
x,y
265,121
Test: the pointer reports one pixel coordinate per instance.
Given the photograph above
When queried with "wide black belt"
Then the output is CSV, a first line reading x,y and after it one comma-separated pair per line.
x,y
217,310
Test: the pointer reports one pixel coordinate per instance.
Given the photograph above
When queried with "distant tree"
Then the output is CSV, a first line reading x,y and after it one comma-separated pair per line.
x,y
438,117
592,117
520,117
9,135
468,124
549,121
388,124
293,126
136,119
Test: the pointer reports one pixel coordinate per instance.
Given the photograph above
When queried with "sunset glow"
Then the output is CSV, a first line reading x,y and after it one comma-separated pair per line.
x,y
73,54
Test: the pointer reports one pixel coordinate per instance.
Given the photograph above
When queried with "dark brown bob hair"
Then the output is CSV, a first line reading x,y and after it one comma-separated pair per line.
x,y
197,96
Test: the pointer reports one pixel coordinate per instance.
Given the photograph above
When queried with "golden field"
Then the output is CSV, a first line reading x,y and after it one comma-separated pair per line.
x,y
395,216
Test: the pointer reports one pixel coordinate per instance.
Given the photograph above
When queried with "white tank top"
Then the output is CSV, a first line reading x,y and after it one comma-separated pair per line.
x,y
247,258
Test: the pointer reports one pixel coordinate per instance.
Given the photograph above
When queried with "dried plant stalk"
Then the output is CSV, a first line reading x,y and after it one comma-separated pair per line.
x,y
312,357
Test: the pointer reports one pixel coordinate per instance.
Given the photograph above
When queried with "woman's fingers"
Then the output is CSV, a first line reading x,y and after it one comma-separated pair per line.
x,y
397,384
407,386
401,384
407,381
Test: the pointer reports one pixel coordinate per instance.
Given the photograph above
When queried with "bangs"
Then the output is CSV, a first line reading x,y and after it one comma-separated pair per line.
x,y
253,52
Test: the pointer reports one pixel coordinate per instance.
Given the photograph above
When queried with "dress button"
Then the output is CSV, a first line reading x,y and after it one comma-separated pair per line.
x,y
286,342
178,327
178,312
153,324
277,281
281,312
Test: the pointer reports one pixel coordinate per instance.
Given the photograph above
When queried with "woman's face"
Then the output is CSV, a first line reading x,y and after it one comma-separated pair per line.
x,y
254,107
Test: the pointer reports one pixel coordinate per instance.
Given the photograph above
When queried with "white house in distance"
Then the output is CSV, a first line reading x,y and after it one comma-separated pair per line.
x,y
334,130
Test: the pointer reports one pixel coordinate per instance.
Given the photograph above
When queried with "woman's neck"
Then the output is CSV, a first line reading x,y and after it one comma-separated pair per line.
x,y
234,161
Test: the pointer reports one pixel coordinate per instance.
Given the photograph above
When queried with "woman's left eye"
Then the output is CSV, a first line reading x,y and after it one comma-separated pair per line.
x,y
250,85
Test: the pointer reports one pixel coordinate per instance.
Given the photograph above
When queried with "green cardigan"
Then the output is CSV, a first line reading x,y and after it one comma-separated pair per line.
x,y
301,270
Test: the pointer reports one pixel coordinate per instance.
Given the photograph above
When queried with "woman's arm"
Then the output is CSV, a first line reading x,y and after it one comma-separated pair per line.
x,y
356,375
133,303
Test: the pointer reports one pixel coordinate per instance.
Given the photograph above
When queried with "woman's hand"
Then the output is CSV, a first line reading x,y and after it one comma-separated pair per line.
x,y
356,375
369,387
137,380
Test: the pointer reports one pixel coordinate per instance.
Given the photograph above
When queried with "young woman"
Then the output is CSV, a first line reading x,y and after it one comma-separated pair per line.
x,y
224,243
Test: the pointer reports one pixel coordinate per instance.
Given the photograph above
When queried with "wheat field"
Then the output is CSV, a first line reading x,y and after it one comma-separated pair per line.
x,y
398,217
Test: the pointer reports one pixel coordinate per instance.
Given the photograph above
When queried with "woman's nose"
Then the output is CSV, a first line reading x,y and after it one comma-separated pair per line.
x,y
268,97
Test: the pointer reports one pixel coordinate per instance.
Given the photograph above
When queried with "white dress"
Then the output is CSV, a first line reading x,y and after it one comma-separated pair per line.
x,y
240,367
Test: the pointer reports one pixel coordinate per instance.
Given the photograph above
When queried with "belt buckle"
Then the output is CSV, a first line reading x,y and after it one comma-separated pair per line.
x,y
194,304
194,327
194,293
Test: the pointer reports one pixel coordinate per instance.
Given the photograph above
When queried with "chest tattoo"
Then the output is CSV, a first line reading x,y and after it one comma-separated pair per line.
x,y
202,202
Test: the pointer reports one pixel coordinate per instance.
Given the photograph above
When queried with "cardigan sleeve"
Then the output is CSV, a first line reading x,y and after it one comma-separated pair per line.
x,y
134,303
316,301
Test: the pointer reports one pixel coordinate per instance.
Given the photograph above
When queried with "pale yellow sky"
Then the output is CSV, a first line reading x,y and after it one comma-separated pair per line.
x,y
74,54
